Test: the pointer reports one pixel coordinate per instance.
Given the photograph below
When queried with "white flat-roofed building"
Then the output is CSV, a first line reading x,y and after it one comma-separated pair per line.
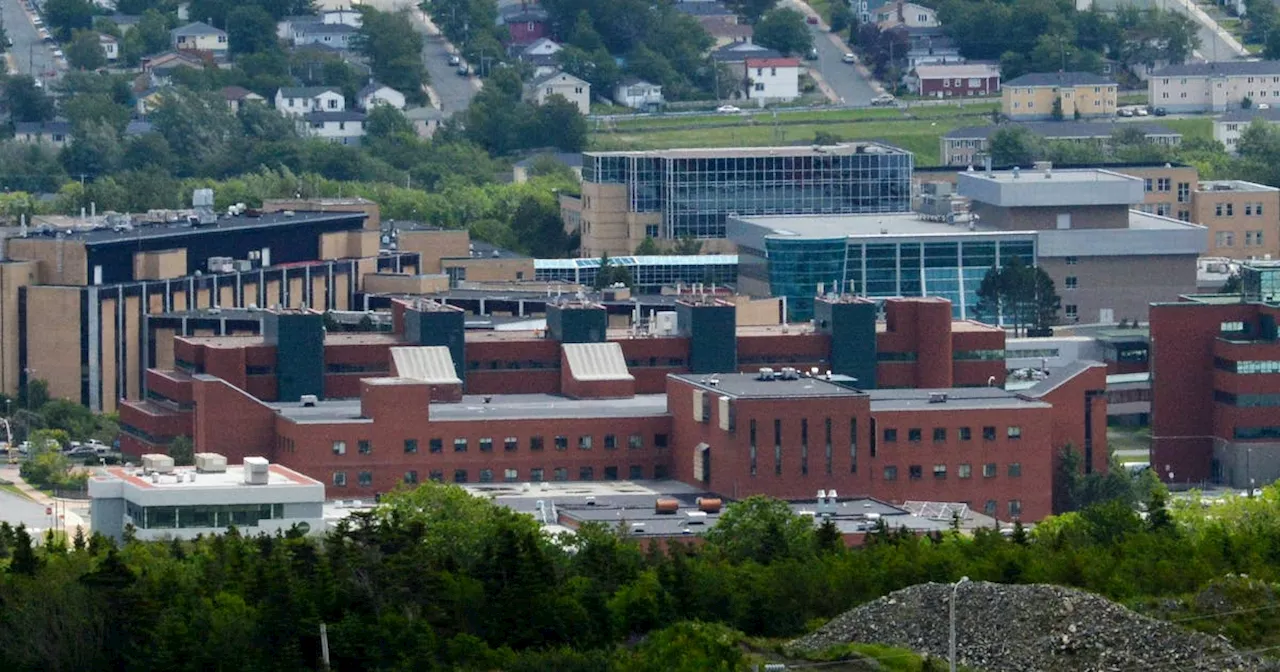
x,y
161,501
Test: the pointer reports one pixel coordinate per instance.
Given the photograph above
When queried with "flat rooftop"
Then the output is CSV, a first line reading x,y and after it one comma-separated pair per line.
x,y
841,149
856,226
1234,185
1074,176
232,478
498,407
752,386
957,398
107,235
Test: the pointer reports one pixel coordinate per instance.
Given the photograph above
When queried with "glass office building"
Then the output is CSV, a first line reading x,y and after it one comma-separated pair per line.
x,y
650,273
879,258
696,189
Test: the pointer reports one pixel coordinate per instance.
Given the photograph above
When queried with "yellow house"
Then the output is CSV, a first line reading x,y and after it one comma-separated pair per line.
x,y
199,36
1081,95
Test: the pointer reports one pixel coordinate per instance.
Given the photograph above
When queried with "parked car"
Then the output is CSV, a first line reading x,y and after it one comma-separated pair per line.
x,y
1124,112
1141,111
849,58
463,70
1160,112
728,109
812,55
1264,106
884,99
812,20
454,60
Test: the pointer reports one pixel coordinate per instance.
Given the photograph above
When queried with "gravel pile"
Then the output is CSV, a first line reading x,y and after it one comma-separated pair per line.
x,y
1030,628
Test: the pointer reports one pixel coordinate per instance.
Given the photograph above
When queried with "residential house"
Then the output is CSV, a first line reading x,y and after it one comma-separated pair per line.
x,y
638,94
705,9
286,26
110,47
426,120
199,36
336,35
726,31
967,146
570,160
525,22
955,80
908,14
375,93
929,46
299,100
866,10
156,69
542,56
1036,96
574,90
344,127
773,79
148,100
238,96
56,133
733,57
1228,127
125,22
1214,87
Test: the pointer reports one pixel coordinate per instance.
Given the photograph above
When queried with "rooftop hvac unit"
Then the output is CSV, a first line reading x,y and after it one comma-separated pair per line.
x,y
255,471
696,518
157,463
664,323
219,264
766,373
937,397
211,463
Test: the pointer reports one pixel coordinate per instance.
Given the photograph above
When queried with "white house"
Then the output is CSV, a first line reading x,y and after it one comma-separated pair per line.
x,y
56,133
348,17
300,100
909,14
199,36
1228,128
110,47
238,96
426,120
344,128
335,35
564,84
773,79
542,56
375,93
161,501
638,94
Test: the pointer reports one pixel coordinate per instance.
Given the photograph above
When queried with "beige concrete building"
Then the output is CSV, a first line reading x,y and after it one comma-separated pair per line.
x,y
1214,87
1080,94
1243,218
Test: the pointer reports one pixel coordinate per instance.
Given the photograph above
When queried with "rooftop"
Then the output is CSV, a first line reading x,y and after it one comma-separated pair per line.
x,y
1059,79
1061,129
1234,185
232,478
197,28
1078,176
958,398
754,386
773,62
735,152
1219,68
497,407
855,226
108,235
957,70
1246,116
306,91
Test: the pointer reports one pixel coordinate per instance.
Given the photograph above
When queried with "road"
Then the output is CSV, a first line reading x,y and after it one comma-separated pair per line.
x,y
850,83
29,54
17,510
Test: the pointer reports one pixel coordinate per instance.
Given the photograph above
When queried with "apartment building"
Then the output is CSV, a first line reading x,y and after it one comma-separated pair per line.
x,y
1230,125
970,145
1243,218
1214,87
1074,95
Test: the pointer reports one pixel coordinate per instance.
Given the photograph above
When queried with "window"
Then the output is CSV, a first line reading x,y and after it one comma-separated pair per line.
x,y
411,477
339,447
486,475
966,434
1184,192
560,474
459,475
890,436
964,470
562,443
535,443
459,445
1163,184
1015,469
990,508
333,104
586,474
1248,209
1163,209
1015,508
915,472
635,472
659,440
1072,282
535,474
939,471
411,446
914,435
1071,311
610,442
1014,432
890,473
1224,239
510,444
1147,184
436,445
584,442
1072,261
510,475
635,442
365,479
364,447
340,479
989,470
988,433
759,86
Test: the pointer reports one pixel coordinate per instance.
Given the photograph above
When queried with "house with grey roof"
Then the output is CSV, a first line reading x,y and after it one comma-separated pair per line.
x,y
1229,126
344,127
563,84
199,36
336,35
377,93
1214,87
967,146
56,133
299,100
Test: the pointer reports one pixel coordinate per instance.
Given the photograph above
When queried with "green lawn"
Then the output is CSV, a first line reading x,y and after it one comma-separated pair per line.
x,y
1135,98
11,488
1200,127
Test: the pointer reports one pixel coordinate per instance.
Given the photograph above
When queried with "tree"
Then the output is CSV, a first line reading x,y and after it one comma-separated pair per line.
x,y
182,450
761,529
1056,112
66,16
538,228
687,245
842,17
561,125
1014,146
648,246
95,108
784,30
611,274
197,126
1232,285
1017,294
751,10
153,32
85,51
250,29
394,49
25,101
385,121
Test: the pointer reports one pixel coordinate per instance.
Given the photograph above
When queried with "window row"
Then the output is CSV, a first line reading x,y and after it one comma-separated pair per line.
x,y
201,516
916,434
1247,366
915,472
535,474
511,444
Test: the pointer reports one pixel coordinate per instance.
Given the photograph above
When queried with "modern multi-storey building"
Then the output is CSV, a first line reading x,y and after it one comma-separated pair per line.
x,y
1243,218
678,193
1107,261
583,407
1215,362
1214,87
1064,95
969,146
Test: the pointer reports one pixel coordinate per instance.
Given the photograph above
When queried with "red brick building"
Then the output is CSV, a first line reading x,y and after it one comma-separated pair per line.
x,y
957,80
578,406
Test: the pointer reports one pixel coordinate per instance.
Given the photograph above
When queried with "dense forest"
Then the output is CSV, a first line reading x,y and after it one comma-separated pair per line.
x,y
438,579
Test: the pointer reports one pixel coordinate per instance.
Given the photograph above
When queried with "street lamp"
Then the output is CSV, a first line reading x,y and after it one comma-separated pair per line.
x,y
952,649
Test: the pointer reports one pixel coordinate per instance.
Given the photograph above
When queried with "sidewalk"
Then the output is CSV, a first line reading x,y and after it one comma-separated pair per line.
x,y
844,47
70,520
